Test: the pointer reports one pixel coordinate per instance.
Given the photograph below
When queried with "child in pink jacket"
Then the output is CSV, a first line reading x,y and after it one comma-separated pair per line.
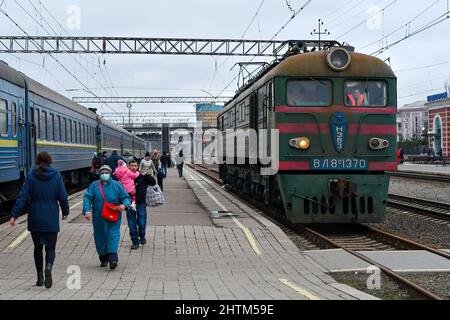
x,y
126,178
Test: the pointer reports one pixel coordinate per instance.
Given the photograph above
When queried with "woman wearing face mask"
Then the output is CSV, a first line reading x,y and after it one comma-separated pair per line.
x,y
106,233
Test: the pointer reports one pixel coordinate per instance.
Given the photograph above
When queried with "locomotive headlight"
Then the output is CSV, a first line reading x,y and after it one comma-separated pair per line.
x,y
338,59
378,144
300,143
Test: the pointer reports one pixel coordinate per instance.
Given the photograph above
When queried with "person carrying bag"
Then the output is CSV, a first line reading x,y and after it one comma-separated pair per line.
x,y
99,206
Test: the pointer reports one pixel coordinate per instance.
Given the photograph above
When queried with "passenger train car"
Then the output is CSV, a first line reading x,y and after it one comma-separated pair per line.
x,y
34,118
335,112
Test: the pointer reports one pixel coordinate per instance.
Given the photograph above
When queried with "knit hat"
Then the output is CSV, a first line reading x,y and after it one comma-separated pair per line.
x,y
105,168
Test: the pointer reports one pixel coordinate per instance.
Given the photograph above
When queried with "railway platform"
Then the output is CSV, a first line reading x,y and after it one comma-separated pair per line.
x,y
204,244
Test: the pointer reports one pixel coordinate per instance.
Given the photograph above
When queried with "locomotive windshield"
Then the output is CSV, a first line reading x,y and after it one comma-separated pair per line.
x,y
309,93
365,94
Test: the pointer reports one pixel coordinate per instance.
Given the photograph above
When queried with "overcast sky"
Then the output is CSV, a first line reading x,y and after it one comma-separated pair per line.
x,y
152,75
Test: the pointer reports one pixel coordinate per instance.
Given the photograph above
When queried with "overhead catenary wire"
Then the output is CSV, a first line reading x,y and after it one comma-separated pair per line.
x,y
350,18
423,67
64,30
217,68
429,25
50,55
365,21
405,25
273,37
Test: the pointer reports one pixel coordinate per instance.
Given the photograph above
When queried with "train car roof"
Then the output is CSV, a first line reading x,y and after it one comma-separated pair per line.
x,y
109,124
314,64
16,77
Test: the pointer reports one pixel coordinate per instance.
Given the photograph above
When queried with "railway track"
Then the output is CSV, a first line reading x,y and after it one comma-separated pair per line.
x,y
420,176
421,208
351,238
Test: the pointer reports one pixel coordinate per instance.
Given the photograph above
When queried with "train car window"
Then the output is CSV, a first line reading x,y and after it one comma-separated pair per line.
x,y
64,130
3,117
261,103
14,118
79,133
52,127
44,125
247,113
75,136
309,93
70,132
270,95
365,93
58,129
38,124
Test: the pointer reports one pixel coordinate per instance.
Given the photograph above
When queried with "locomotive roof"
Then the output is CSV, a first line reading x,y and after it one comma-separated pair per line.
x,y
314,64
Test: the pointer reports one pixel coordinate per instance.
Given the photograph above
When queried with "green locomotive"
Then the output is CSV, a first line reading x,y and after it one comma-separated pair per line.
x,y
335,112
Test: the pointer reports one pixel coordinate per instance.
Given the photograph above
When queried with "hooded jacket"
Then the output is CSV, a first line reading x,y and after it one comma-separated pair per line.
x,y
39,197
126,176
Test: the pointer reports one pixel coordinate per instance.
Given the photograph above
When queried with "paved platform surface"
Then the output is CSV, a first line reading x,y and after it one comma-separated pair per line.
x,y
425,168
244,257
338,260
181,207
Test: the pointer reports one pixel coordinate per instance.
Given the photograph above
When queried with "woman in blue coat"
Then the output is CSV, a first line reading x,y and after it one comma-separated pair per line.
x,y
40,195
106,233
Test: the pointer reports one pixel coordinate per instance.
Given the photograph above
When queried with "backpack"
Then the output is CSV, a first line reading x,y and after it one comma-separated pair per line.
x,y
154,196
160,173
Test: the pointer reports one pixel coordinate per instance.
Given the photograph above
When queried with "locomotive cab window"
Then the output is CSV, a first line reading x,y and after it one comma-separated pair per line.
x,y
365,94
309,93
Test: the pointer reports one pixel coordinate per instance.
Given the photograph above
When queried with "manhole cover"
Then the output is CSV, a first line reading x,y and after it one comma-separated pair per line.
x,y
223,214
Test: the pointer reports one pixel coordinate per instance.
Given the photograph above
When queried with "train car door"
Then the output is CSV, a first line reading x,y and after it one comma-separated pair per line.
x,y
22,136
33,136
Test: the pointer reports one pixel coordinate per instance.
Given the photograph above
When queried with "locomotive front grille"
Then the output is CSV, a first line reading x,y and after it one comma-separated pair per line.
x,y
329,205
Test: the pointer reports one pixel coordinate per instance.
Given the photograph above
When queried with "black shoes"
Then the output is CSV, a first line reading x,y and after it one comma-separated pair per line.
x,y
113,265
48,277
40,279
143,241
134,246
104,264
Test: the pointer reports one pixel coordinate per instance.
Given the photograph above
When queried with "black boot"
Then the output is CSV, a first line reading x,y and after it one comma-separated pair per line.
x,y
48,276
112,265
40,279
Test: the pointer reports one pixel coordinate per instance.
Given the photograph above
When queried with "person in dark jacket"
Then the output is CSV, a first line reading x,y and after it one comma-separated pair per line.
x,y
113,159
40,195
164,163
137,221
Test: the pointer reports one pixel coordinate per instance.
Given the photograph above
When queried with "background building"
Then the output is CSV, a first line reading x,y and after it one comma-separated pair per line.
x,y
412,121
438,108
207,113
